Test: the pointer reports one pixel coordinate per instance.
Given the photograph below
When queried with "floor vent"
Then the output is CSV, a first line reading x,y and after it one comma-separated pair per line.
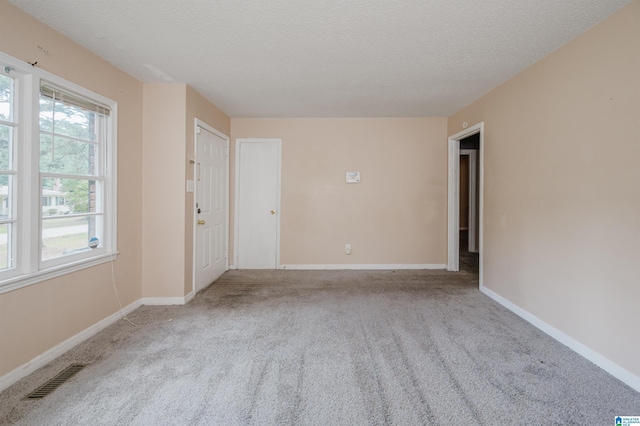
x,y
52,384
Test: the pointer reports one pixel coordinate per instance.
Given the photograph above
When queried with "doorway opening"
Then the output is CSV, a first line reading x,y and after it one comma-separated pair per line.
x,y
466,157
468,247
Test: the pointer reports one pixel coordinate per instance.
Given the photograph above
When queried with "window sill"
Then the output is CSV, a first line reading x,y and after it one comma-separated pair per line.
x,y
25,280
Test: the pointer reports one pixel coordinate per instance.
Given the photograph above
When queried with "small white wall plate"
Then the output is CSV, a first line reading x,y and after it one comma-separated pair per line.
x,y
353,177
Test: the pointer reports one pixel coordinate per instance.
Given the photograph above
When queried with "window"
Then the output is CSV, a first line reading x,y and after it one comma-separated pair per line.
x,y
57,176
72,131
7,170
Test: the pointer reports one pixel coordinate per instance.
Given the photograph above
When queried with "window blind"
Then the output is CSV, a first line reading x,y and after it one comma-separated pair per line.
x,y
55,93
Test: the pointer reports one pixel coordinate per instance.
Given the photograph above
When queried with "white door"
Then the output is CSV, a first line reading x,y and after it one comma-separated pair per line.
x,y
211,207
258,189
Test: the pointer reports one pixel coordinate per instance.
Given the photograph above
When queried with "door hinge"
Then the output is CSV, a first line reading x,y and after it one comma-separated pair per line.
x,y
198,129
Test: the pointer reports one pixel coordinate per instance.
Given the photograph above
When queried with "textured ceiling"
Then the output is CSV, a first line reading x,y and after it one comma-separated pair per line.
x,y
325,58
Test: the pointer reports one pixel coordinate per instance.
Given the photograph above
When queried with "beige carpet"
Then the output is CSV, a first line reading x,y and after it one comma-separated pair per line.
x,y
326,348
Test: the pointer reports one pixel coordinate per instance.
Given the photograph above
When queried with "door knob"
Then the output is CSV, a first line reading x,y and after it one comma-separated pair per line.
x,y
273,212
200,222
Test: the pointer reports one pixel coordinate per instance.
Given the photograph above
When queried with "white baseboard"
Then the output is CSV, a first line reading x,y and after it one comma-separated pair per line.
x,y
365,266
233,267
48,356
189,296
163,301
601,361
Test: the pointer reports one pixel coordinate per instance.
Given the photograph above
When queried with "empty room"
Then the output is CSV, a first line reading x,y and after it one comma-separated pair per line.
x,y
234,213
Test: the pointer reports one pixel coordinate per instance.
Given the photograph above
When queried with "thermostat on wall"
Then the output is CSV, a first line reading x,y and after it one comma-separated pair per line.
x,y
353,177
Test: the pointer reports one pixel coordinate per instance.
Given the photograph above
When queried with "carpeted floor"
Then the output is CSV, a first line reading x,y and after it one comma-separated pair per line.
x,y
326,348
469,262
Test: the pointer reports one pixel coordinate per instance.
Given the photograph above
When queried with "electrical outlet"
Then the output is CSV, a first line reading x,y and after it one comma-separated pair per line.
x,y
347,248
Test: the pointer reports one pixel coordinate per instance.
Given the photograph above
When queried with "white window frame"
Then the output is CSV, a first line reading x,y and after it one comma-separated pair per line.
x,y
11,199
28,268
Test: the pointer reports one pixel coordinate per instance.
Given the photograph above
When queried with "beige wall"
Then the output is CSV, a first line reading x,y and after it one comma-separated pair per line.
x,y
395,215
170,110
562,193
163,224
38,317
197,107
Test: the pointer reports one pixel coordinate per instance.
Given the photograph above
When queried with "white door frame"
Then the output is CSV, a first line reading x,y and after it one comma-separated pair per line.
x,y
453,217
236,210
472,153
200,123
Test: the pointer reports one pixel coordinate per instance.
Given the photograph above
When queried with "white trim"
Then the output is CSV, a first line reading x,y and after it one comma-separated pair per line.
x,y
44,275
166,301
453,203
232,267
31,162
453,214
48,356
204,125
601,361
370,266
189,297
236,202
480,242
279,202
228,200
236,210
